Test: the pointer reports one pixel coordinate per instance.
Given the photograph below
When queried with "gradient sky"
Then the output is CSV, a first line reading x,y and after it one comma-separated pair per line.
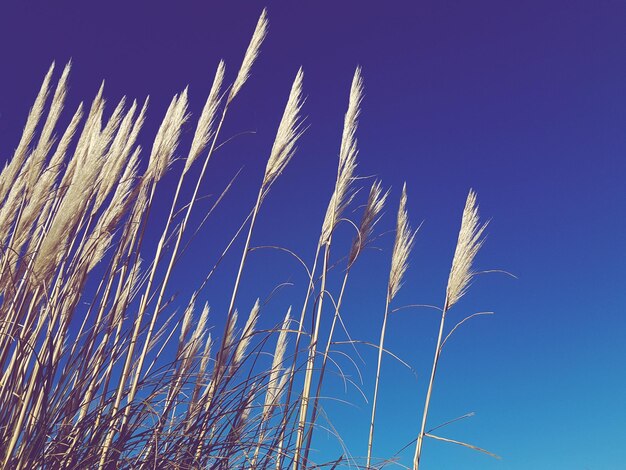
x,y
523,101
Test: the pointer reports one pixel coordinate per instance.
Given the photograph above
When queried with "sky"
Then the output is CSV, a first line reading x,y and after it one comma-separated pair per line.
x,y
523,101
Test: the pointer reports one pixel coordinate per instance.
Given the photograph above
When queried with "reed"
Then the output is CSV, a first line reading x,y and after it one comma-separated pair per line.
x,y
98,369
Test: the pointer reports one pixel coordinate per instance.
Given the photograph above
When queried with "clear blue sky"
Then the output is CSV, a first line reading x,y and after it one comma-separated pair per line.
x,y
523,101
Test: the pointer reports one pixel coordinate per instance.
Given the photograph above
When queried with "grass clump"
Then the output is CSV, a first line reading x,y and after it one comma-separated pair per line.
x,y
84,314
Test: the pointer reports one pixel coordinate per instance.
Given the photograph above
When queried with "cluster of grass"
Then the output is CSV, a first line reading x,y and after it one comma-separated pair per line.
x,y
82,384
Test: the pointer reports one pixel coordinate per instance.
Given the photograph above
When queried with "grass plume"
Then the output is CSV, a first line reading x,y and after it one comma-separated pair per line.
x,y
102,364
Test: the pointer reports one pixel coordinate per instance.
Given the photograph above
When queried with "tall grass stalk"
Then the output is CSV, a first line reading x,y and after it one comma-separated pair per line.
x,y
339,199
402,247
371,215
461,274
100,367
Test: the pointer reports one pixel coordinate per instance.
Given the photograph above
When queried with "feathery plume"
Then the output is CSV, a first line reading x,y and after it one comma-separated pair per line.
x,y
230,332
11,170
83,186
35,162
200,327
375,203
56,161
193,345
468,244
78,182
138,124
90,131
251,54
347,159
14,180
56,106
113,214
402,247
246,334
206,353
289,131
116,158
129,291
184,328
40,192
85,169
205,128
274,385
167,138
102,140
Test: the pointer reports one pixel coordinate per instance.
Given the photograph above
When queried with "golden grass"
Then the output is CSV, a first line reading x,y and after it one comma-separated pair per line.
x,y
72,223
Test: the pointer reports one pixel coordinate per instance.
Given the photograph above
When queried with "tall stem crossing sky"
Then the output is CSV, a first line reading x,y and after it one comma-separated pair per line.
x,y
525,102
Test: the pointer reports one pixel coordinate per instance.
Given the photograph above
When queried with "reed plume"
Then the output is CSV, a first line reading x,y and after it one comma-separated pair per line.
x,y
469,242
405,239
103,364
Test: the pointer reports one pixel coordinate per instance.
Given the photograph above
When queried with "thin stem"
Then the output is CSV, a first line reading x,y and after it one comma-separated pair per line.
x,y
375,399
311,287
306,391
420,437
323,368
223,350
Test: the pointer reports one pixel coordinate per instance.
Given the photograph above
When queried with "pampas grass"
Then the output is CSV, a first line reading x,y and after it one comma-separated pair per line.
x,y
468,244
98,369
405,239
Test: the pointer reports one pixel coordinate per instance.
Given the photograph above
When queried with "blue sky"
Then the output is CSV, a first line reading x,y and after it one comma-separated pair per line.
x,y
523,101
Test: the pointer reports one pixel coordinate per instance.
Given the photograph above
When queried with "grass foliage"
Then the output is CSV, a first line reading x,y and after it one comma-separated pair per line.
x,y
84,312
